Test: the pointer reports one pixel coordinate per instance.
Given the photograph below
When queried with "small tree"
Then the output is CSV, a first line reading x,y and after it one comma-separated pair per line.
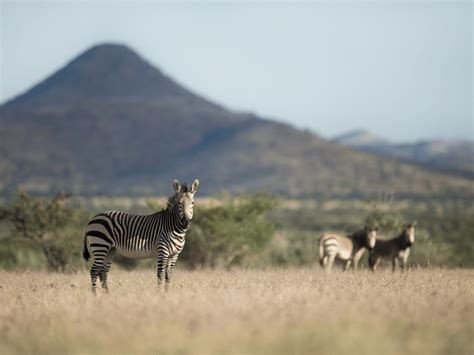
x,y
384,216
43,223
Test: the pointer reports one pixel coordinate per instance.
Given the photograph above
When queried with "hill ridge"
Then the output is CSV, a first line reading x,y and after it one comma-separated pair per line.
x,y
451,156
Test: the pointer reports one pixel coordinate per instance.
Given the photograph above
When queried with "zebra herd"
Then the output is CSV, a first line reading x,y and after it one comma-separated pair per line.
x,y
350,248
162,235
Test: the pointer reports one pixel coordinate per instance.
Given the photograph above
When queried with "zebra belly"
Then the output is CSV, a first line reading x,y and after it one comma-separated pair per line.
x,y
344,254
136,254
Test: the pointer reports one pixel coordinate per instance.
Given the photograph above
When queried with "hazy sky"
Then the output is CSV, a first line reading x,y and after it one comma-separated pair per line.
x,y
402,69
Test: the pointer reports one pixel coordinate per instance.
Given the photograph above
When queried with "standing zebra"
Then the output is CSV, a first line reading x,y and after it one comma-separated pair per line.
x,y
396,249
348,248
160,235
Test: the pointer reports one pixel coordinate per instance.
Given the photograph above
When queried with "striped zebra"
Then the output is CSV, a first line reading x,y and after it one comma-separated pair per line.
x,y
348,248
160,235
395,249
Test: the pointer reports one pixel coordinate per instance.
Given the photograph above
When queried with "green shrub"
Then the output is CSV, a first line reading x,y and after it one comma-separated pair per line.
x,y
386,217
49,226
225,235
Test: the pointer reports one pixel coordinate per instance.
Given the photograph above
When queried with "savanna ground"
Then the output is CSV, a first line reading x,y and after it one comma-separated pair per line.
x,y
273,311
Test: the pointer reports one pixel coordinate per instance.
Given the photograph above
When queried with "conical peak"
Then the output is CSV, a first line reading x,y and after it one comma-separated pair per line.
x,y
105,71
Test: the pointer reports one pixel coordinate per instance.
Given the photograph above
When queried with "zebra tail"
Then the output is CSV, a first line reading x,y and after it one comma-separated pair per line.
x,y
85,253
321,252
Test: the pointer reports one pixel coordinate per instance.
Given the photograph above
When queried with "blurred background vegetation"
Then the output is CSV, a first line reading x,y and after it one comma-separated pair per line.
x,y
258,230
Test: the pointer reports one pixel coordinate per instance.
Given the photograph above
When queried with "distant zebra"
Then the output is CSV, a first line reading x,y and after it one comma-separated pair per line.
x,y
396,249
349,248
160,235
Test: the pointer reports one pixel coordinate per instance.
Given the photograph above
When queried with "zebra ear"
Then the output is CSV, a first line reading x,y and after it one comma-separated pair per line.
x,y
195,186
176,185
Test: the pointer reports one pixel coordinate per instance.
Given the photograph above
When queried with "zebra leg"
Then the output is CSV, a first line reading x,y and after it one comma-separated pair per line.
x,y
347,264
105,269
356,258
403,263
169,269
99,258
394,264
324,262
98,249
355,263
331,259
373,262
404,259
95,269
161,264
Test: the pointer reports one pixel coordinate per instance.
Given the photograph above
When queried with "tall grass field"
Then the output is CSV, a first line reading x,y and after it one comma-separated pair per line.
x,y
273,311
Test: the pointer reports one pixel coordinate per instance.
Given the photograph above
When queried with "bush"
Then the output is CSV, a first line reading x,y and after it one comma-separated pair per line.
x,y
385,217
48,225
225,235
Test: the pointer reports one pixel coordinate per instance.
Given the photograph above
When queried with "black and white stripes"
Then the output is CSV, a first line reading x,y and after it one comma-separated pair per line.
x,y
160,235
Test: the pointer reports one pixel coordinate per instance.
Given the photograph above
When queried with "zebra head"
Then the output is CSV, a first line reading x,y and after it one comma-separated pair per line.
x,y
371,236
185,198
409,232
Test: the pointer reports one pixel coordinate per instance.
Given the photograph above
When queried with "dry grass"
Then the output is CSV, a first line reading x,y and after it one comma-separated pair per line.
x,y
299,311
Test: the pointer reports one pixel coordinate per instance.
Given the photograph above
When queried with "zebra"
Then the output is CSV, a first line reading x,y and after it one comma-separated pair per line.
x,y
160,235
349,248
396,249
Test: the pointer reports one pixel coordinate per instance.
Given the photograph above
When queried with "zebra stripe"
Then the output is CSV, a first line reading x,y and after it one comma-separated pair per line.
x,y
348,248
160,235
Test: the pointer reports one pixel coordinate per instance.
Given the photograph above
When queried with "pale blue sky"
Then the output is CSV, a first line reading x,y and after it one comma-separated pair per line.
x,y
401,69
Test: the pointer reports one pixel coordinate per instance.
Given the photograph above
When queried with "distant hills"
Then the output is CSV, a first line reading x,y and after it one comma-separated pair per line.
x,y
110,123
450,156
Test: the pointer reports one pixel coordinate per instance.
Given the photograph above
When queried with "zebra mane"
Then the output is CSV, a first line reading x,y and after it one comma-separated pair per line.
x,y
360,237
401,239
171,202
184,188
359,234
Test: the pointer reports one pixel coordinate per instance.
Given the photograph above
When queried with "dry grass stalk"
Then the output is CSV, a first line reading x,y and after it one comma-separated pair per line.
x,y
295,311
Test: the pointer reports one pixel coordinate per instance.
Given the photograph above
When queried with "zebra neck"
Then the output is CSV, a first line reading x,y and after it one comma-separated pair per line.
x,y
358,239
177,224
402,242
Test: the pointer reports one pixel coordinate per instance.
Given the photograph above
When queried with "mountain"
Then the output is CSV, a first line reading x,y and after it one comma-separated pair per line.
x,y
450,156
111,123
104,72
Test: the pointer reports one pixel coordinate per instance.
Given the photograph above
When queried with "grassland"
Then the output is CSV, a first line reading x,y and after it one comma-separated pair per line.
x,y
290,311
